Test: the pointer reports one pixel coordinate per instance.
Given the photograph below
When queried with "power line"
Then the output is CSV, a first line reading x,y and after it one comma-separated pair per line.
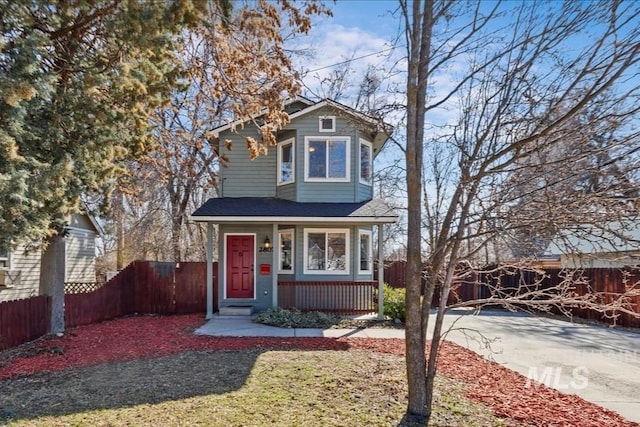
x,y
352,59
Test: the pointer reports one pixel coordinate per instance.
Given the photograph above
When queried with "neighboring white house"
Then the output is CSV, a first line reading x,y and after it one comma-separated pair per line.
x,y
616,246
20,269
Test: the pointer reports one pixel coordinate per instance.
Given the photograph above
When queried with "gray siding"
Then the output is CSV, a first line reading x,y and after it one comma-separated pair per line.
x,y
365,192
243,177
257,178
263,282
287,191
24,275
307,126
80,256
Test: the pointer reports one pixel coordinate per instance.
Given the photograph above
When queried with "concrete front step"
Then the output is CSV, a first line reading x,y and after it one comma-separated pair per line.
x,y
235,310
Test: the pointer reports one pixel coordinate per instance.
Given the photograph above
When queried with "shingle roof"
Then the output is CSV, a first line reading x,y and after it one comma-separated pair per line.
x,y
259,209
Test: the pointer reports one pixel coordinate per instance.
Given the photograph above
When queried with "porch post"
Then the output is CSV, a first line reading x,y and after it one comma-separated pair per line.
x,y
209,270
380,274
274,266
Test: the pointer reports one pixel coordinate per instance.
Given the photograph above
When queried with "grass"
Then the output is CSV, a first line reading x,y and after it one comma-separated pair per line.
x,y
235,388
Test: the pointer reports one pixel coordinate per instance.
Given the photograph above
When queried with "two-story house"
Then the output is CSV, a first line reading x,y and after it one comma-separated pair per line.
x,y
295,225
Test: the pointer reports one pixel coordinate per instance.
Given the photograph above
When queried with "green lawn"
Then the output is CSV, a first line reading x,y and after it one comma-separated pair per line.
x,y
233,388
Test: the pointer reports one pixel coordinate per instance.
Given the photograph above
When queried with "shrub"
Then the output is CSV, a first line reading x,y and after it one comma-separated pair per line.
x,y
297,319
394,302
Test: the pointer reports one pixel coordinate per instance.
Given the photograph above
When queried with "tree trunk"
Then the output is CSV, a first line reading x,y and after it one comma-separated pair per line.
x,y
52,275
176,234
119,199
419,27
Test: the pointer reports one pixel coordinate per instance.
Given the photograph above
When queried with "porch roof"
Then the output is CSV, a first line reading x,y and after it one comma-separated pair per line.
x,y
273,210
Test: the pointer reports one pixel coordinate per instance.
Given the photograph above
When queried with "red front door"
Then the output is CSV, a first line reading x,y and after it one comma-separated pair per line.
x,y
240,254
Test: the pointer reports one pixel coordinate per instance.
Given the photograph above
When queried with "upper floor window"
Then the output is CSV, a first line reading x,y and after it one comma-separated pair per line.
x,y
327,124
286,162
366,162
326,159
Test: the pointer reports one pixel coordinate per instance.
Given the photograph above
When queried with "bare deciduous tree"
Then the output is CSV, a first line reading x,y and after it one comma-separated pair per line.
x,y
520,76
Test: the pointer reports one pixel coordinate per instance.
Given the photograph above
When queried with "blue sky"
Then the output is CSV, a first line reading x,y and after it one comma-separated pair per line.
x,y
357,28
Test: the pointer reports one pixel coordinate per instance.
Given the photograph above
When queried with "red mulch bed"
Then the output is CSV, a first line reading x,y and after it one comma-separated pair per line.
x,y
133,338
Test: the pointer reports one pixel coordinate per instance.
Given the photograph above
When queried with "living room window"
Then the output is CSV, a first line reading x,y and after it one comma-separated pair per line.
x,y
366,162
327,159
326,251
285,238
365,251
286,162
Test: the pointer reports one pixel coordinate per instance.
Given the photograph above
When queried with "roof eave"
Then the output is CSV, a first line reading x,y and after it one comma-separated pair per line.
x,y
292,219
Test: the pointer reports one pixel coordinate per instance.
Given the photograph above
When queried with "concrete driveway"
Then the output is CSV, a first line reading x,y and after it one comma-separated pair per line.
x,y
597,363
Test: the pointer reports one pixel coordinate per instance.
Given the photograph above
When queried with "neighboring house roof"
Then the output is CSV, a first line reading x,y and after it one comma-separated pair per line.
x,y
589,239
270,210
382,130
75,222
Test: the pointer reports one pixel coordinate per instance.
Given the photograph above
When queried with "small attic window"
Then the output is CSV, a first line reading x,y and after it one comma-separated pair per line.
x,y
327,124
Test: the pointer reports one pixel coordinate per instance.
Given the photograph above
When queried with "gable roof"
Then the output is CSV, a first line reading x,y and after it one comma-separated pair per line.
x,y
272,210
382,130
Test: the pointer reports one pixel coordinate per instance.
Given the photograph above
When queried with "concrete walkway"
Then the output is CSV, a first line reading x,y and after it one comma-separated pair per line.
x,y
242,326
597,363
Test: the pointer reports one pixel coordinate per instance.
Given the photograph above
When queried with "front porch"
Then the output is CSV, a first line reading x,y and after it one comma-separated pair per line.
x,y
307,256
333,297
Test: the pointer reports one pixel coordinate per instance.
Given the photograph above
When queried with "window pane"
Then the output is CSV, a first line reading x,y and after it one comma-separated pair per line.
x,y
365,245
286,163
336,254
326,123
317,159
365,163
315,251
286,255
337,159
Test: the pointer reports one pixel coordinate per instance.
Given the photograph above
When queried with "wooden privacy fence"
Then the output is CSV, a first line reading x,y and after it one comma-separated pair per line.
x,y
605,283
336,297
23,320
143,287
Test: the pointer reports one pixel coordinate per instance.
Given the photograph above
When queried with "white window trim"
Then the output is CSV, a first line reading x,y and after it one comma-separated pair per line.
x,y
333,123
368,144
347,251
7,260
293,250
370,260
293,160
347,177
225,236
